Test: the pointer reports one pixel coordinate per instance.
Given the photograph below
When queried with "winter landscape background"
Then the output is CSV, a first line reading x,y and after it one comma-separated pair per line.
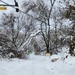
x,y
39,39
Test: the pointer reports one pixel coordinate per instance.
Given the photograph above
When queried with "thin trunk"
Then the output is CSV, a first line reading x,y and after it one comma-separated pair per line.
x,y
56,38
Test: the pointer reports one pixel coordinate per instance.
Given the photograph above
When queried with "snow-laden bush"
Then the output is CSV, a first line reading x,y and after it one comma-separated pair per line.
x,y
8,50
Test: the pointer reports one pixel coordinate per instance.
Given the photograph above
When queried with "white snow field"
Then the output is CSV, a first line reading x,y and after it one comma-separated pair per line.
x,y
38,65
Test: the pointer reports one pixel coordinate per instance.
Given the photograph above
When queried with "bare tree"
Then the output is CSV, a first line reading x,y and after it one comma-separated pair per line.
x,y
70,14
18,28
42,14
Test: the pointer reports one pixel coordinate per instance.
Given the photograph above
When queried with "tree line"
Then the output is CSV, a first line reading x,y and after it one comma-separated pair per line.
x,y
40,27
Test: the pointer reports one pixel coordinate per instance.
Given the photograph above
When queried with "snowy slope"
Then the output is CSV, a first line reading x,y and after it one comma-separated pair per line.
x,y
38,65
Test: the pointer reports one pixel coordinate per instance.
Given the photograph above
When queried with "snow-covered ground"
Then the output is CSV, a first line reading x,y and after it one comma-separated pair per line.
x,y
38,65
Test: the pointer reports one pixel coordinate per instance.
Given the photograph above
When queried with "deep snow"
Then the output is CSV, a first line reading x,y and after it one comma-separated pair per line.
x,y
38,65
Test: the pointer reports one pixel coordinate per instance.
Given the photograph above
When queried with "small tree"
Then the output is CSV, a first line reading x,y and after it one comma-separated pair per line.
x,y
17,29
70,14
42,14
